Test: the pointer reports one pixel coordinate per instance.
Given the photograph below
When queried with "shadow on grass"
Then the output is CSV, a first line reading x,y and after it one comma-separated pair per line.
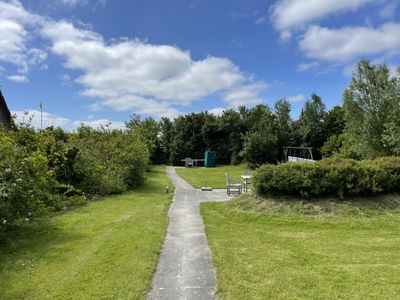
x,y
38,238
24,247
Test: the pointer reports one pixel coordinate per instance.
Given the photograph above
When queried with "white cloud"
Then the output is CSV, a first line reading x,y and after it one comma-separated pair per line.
x,y
350,42
66,80
261,20
96,124
388,11
296,98
18,78
16,30
304,67
72,3
145,78
290,14
32,116
141,105
96,106
244,95
217,111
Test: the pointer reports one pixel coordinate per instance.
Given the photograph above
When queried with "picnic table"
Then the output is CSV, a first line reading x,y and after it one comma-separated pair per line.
x,y
189,162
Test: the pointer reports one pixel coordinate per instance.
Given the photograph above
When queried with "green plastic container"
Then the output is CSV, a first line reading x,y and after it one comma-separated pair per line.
x,y
210,159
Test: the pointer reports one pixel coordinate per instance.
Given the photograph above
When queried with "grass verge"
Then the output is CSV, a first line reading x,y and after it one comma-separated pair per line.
x,y
215,177
287,249
107,249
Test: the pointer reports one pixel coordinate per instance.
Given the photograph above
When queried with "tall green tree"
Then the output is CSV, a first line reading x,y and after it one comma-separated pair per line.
x,y
311,124
334,125
260,141
148,131
188,138
166,134
283,124
334,122
232,126
371,102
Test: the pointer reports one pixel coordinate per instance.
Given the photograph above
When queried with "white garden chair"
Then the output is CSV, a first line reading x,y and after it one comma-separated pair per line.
x,y
233,185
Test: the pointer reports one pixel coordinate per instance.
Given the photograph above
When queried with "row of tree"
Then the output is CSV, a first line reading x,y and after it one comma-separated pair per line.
x,y
366,125
253,135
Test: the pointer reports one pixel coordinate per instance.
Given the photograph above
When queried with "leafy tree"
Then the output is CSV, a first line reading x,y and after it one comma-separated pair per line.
x,y
188,137
283,124
370,104
260,142
147,130
166,127
233,128
109,161
334,122
333,145
311,124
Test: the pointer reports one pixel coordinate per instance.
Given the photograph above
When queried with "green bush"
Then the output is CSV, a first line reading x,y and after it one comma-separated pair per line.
x,y
25,182
337,177
109,161
54,170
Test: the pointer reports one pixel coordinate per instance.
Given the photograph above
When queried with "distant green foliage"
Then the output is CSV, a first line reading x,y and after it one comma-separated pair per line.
x,y
329,177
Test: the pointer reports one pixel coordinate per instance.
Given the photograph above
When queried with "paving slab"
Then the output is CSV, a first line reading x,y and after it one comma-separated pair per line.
x,y
184,270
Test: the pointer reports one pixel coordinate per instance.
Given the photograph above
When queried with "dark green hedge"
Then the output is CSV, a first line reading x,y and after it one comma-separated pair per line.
x,y
337,177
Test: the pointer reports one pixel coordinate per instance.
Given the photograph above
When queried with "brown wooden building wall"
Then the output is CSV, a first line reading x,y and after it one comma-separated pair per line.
x,y
5,115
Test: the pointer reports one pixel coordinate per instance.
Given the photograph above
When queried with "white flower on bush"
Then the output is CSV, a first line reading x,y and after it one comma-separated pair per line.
x,y
26,220
14,184
18,180
4,222
8,170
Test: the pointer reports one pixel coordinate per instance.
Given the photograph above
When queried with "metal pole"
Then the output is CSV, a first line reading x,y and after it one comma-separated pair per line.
x,y
41,116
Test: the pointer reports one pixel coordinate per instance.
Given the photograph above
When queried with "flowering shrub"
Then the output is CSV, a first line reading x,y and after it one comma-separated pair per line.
x,y
53,170
25,182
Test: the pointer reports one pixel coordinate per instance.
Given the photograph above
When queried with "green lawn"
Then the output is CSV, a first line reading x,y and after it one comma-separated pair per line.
x,y
323,250
215,177
107,249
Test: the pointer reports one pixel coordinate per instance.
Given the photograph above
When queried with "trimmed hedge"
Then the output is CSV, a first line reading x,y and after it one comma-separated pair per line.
x,y
329,177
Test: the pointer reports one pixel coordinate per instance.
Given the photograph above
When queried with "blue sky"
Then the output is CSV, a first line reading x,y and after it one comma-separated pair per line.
x,y
96,61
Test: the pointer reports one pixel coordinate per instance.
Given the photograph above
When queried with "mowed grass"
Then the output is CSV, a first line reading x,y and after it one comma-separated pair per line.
x,y
266,249
107,249
215,177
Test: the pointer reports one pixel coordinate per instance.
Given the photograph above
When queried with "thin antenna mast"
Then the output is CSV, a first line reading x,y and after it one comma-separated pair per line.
x,y
41,115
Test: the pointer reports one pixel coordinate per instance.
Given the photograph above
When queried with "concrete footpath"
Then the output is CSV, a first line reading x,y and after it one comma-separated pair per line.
x,y
185,270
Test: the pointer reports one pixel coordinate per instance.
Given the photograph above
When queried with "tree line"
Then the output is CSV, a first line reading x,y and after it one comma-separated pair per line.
x,y
366,125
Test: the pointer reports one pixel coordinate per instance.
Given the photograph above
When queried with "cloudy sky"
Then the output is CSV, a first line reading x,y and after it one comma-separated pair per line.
x,y
95,61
